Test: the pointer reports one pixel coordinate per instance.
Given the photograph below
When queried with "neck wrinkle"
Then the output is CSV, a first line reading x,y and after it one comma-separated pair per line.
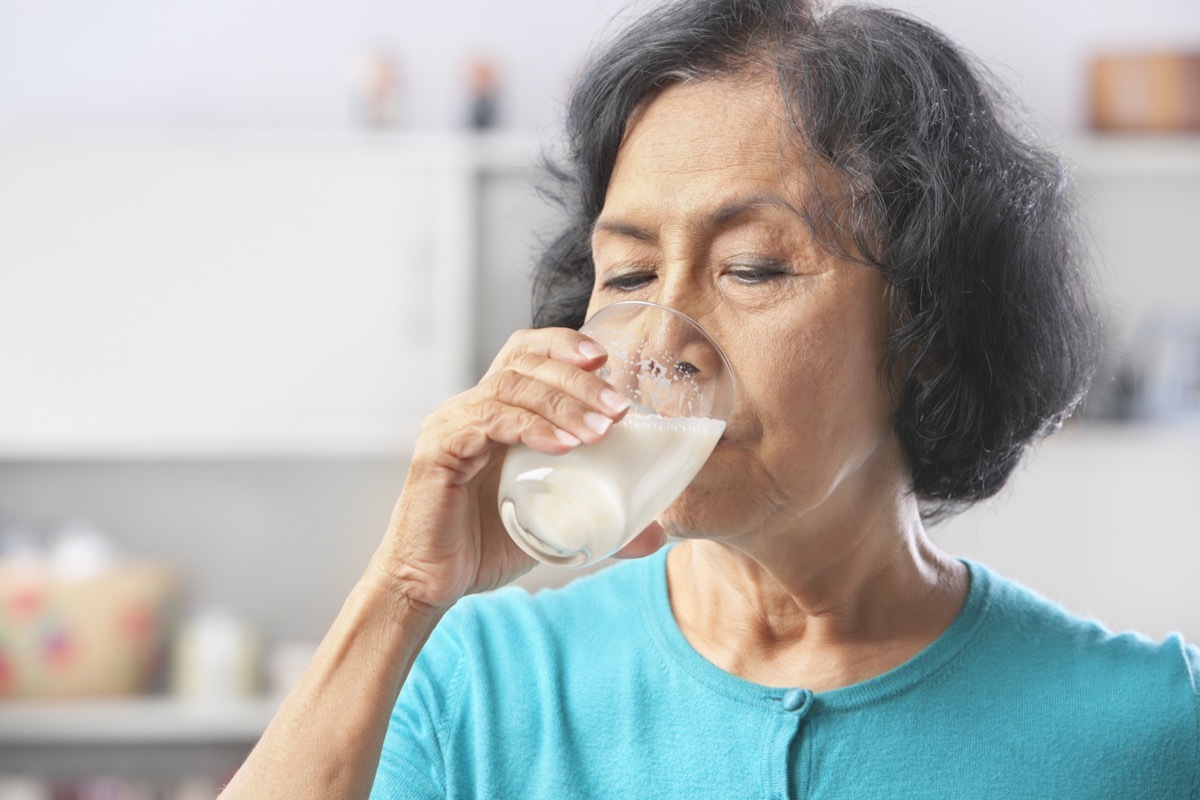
x,y
841,610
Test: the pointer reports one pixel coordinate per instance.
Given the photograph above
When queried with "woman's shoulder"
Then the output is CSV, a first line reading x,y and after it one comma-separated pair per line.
x,y
1043,620
1028,633
598,604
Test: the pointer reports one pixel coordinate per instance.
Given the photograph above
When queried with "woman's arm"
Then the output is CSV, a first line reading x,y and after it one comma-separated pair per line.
x,y
444,541
326,738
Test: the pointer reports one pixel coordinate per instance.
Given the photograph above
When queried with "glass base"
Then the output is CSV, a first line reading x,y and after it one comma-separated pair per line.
x,y
536,547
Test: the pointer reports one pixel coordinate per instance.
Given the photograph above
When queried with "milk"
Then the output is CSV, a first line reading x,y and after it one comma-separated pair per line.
x,y
588,503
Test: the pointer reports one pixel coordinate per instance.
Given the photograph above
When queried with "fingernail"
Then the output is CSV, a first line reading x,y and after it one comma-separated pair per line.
x,y
589,349
597,422
566,438
614,400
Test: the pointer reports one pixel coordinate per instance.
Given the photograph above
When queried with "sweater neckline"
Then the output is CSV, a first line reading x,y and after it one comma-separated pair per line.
x,y
935,658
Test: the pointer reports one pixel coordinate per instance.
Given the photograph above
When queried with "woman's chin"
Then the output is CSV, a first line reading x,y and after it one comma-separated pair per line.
x,y
718,503
697,515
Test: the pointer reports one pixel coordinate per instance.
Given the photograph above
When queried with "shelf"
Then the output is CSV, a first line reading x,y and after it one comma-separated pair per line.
x,y
489,152
388,439
1128,156
147,720
1182,434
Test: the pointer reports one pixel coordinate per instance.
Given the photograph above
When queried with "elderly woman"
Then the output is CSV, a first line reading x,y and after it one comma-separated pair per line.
x,y
892,272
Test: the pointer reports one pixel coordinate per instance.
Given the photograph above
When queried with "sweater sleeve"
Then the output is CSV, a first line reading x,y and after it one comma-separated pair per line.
x,y
1192,654
412,765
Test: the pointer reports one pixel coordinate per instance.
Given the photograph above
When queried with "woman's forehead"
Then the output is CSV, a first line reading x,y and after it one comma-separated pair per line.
x,y
701,109
707,146
712,129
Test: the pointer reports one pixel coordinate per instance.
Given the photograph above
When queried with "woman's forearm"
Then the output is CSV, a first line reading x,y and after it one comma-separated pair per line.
x,y
326,738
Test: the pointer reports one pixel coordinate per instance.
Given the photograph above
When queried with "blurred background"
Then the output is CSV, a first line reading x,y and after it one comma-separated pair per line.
x,y
245,247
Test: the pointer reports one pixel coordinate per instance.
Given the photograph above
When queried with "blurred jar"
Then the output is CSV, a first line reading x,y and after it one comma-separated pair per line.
x,y
20,787
216,657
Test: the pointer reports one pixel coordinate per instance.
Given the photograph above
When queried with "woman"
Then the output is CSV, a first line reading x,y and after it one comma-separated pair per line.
x,y
892,273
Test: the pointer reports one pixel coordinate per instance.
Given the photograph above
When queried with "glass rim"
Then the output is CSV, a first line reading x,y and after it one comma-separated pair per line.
x,y
707,336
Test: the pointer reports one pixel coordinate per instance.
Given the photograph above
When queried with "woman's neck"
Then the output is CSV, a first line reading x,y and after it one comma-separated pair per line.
x,y
817,610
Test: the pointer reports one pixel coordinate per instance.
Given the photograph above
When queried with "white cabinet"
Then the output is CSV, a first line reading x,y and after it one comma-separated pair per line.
x,y
1140,197
237,295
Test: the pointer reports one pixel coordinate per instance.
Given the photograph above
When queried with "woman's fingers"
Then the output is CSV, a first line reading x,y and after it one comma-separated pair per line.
x,y
569,396
579,405
461,437
558,344
540,392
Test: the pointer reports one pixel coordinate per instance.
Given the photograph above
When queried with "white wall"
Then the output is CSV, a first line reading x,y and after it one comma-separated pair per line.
x,y
1041,47
269,63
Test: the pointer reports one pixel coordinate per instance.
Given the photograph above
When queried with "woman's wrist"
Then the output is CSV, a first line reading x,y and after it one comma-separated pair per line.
x,y
391,581
386,595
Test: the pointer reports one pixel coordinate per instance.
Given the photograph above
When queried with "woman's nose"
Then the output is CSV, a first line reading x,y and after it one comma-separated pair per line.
x,y
685,349
680,366
685,337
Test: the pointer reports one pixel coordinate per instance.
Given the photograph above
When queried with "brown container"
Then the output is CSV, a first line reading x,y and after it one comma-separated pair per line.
x,y
1146,92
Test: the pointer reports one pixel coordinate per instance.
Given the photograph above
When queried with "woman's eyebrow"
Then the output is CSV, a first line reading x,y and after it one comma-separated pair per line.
x,y
625,229
731,212
705,226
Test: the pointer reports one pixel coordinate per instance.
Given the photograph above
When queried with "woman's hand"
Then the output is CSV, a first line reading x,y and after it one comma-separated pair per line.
x,y
445,538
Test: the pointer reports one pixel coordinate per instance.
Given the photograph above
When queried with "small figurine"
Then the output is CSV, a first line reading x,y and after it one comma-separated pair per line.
x,y
379,90
483,85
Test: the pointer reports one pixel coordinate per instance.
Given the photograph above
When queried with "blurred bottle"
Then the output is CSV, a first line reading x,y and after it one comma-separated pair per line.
x,y
1153,375
22,787
377,90
483,88
1165,368
216,657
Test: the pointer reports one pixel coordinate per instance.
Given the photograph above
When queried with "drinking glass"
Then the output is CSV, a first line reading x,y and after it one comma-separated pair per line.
x,y
582,506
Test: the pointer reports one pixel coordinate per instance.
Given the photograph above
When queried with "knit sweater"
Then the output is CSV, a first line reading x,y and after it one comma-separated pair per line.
x,y
592,691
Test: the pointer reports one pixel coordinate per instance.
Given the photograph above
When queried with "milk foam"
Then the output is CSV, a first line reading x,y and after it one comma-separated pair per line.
x,y
588,503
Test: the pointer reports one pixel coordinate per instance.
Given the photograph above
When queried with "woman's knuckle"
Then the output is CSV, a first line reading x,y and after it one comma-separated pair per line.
x,y
561,405
487,412
507,382
581,383
528,362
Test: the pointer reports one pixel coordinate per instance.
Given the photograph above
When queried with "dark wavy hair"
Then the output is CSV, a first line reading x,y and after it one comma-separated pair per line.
x,y
994,336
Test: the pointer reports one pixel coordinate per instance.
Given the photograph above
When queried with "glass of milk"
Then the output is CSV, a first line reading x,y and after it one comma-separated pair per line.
x,y
585,505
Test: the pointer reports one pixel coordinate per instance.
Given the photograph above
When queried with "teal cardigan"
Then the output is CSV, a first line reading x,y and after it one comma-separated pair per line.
x,y
591,691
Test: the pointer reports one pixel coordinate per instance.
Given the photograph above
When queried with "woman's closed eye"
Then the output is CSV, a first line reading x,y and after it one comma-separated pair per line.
x,y
628,281
759,271
746,271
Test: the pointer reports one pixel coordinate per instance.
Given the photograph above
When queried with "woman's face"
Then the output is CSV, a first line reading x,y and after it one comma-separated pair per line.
x,y
702,215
